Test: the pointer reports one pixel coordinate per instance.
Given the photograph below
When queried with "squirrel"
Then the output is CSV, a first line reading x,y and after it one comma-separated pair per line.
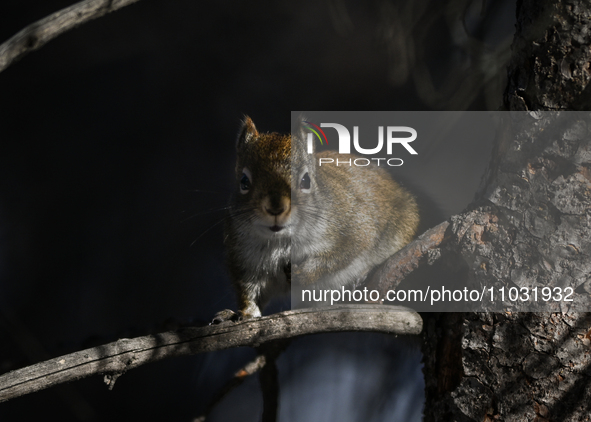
x,y
326,225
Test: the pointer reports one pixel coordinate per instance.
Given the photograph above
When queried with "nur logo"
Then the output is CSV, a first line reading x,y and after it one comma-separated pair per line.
x,y
308,125
345,138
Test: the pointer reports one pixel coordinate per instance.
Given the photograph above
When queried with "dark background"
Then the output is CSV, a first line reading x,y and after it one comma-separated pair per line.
x,y
116,158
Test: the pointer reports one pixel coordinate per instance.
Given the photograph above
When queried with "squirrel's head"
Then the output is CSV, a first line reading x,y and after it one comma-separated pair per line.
x,y
269,172
263,176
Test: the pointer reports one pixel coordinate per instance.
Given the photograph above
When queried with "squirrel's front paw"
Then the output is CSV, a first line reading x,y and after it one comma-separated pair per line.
x,y
226,315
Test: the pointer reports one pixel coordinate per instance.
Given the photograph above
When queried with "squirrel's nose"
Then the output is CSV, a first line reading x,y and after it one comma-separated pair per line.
x,y
275,211
276,204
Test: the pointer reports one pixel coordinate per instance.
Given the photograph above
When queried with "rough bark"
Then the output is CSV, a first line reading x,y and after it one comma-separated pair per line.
x,y
531,225
549,69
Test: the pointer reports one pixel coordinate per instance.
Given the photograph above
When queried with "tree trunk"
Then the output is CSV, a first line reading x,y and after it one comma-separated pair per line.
x,y
531,225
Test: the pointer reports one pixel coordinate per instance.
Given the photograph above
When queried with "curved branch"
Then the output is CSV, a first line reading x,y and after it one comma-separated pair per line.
x,y
39,33
116,358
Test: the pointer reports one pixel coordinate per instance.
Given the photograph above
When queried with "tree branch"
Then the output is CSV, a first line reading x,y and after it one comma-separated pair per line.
x,y
116,358
39,33
389,275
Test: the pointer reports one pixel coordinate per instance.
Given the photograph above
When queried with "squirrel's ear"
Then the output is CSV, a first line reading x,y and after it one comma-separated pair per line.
x,y
298,128
248,131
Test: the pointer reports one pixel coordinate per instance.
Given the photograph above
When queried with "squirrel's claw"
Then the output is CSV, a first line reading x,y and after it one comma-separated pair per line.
x,y
226,315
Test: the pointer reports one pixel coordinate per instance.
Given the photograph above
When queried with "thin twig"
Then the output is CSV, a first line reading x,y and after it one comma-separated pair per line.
x,y
41,32
268,353
247,370
269,379
116,358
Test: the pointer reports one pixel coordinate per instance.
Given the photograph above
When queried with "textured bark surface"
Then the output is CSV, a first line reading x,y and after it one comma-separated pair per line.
x,y
509,367
550,65
114,359
531,226
532,229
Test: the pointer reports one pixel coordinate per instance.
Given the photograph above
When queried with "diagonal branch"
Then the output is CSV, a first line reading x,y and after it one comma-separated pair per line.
x,y
39,33
389,275
116,358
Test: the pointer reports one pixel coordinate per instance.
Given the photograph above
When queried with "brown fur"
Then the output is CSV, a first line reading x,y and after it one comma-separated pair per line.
x,y
352,219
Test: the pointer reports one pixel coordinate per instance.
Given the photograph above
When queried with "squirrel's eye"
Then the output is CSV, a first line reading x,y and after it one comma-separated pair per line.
x,y
244,183
305,182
